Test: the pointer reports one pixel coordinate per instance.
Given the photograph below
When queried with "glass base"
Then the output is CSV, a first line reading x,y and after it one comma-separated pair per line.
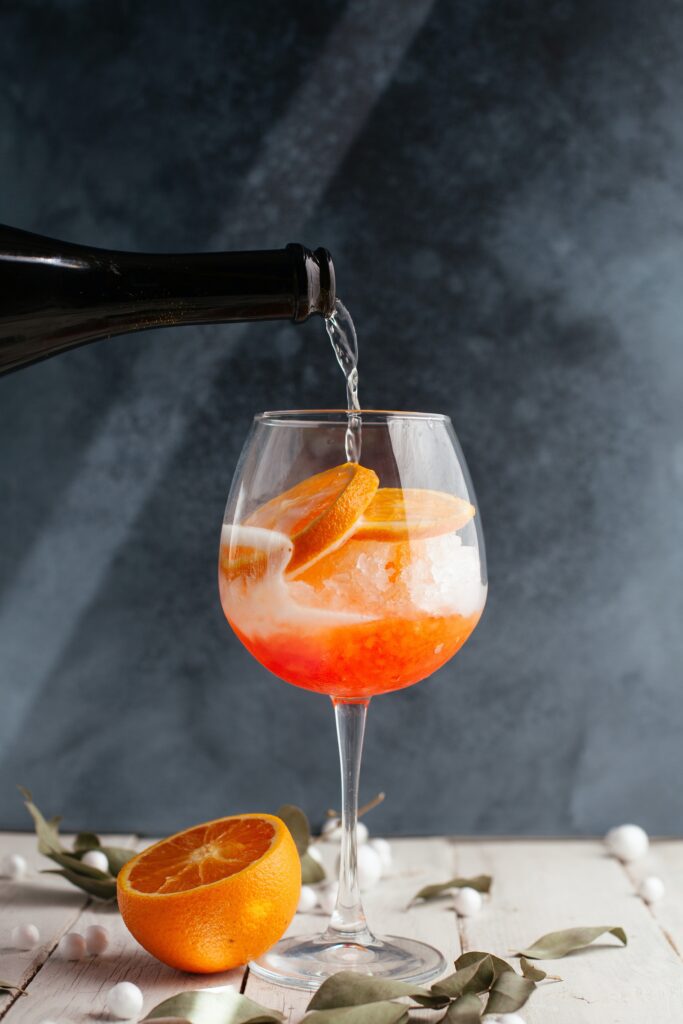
x,y
305,962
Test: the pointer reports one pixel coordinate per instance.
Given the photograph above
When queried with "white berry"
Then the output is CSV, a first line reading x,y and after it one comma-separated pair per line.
x,y
25,936
627,842
96,939
331,829
124,1000
315,854
307,900
382,848
327,897
96,859
71,946
13,866
361,833
467,902
651,889
369,867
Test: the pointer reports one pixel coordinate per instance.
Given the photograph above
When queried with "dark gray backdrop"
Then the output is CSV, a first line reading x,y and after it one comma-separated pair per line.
x,y
501,187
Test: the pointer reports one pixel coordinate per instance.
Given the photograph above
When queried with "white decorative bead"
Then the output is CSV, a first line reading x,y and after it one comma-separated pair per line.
x,y
13,866
96,859
314,853
369,867
627,842
467,902
651,889
383,850
124,1000
71,946
307,900
506,1018
331,830
96,939
327,897
361,833
25,936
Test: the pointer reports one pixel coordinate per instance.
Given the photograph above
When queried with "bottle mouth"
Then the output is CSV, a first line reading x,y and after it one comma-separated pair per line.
x,y
315,282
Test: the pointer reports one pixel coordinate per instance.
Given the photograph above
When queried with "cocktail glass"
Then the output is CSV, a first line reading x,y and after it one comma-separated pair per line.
x,y
352,581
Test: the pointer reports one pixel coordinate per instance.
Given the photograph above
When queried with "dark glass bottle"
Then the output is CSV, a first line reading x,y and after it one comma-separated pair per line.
x,y
56,295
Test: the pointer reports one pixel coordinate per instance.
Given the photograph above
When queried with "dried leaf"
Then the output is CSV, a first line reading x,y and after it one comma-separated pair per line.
x,y
103,888
499,965
47,831
508,993
297,823
465,1010
348,988
367,1013
7,986
86,841
557,944
531,972
482,883
477,976
311,870
214,1008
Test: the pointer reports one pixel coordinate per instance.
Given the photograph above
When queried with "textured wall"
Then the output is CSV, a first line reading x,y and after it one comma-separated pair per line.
x,y
500,185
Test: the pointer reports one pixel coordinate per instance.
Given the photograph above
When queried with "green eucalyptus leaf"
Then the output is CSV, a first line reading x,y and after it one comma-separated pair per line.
x,y
103,888
477,976
367,1013
297,823
557,944
482,883
348,988
117,856
311,870
46,831
531,972
86,841
214,1008
77,867
499,965
465,1010
7,986
508,993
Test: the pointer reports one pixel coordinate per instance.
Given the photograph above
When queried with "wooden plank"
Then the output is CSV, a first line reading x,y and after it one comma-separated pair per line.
x,y
417,862
76,991
665,860
542,886
43,900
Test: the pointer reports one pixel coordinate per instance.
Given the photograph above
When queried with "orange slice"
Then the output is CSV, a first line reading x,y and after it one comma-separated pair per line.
x,y
214,896
249,552
405,514
318,513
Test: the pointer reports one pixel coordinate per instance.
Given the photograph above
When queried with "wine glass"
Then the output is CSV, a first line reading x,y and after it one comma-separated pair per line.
x,y
351,580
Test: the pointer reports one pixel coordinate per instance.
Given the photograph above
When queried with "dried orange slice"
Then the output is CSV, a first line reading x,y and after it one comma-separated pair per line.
x,y
319,513
214,896
406,514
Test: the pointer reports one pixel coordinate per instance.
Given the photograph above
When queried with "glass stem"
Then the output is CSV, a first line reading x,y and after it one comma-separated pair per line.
x,y
348,922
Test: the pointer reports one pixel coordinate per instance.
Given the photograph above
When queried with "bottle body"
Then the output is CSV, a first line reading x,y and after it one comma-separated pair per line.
x,y
55,295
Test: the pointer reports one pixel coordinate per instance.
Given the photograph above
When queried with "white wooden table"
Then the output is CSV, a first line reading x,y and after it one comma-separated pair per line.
x,y
539,886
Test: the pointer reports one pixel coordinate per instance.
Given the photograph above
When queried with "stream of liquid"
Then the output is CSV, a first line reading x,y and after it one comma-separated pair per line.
x,y
342,334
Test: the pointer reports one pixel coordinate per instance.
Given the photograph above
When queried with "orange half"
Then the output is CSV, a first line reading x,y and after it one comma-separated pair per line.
x,y
214,896
318,513
397,514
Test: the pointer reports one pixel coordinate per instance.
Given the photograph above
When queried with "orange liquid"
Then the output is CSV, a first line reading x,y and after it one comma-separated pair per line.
x,y
363,659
